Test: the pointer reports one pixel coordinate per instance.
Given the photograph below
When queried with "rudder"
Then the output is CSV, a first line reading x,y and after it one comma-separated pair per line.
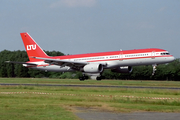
x,y
32,48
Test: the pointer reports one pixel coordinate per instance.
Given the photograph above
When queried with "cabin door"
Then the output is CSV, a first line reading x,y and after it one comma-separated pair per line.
x,y
121,56
153,55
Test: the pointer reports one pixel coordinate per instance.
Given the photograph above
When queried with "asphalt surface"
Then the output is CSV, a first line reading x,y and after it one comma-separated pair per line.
x,y
92,114
128,116
109,86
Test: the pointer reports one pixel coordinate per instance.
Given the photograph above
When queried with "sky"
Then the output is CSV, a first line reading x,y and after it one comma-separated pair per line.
x,y
88,26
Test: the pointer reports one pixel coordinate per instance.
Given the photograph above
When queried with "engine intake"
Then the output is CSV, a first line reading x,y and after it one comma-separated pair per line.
x,y
93,68
125,69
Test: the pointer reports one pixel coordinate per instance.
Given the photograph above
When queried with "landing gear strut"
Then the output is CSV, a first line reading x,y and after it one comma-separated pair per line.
x,y
154,68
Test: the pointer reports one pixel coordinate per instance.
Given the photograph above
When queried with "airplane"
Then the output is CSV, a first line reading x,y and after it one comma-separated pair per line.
x,y
92,64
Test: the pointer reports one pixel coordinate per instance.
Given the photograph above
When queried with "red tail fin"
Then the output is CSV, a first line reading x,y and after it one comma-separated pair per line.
x,y
32,48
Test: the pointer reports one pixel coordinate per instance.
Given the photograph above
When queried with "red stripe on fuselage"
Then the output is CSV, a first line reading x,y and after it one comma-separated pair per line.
x,y
115,53
125,52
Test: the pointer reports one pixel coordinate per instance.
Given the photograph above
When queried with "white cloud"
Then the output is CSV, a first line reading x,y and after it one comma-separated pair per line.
x,y
73,3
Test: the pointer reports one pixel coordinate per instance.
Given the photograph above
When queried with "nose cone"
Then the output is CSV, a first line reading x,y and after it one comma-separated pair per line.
x,y
171,59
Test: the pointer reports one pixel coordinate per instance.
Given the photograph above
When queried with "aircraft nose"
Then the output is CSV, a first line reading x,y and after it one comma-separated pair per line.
x,y
172,58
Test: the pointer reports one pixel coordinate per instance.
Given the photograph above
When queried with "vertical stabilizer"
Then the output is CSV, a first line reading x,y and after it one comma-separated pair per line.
x,y
32,48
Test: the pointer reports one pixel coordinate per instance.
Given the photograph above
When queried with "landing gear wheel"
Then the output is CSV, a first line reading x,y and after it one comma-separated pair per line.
x,y
84,77
98,78
81,78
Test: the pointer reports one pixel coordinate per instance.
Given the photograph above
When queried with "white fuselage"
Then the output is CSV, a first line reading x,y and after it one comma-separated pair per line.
x,y
112,61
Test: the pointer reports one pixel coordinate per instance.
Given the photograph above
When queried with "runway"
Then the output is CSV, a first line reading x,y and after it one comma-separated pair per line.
x,y
95,114
101,86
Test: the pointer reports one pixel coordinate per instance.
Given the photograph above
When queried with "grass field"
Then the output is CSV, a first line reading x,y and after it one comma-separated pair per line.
x,y
93,82
37,102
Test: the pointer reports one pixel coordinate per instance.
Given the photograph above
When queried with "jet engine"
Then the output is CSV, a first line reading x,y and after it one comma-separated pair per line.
x,y
125,69
93,68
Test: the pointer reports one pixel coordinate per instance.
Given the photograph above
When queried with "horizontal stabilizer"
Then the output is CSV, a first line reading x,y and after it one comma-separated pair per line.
x,y
20,62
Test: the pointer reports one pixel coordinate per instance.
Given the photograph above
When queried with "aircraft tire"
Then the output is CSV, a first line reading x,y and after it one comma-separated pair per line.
x,y
98,78
86,77
81,78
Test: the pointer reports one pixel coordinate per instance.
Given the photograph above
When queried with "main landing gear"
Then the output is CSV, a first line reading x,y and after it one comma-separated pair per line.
x,y
98,78
84,77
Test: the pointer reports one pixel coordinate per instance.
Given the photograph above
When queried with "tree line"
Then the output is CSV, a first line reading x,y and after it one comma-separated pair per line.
x,y
169,71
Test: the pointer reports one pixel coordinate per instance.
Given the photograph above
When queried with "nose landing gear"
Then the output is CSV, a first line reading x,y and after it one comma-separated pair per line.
x,y
154,69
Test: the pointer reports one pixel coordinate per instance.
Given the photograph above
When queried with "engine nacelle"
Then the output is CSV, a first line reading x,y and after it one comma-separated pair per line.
x,y
93,68
125,69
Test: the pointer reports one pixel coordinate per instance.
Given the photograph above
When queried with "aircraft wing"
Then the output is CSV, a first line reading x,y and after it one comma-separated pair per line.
x,y
63,63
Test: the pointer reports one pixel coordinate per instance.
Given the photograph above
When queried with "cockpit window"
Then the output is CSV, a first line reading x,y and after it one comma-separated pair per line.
x,y
165,54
